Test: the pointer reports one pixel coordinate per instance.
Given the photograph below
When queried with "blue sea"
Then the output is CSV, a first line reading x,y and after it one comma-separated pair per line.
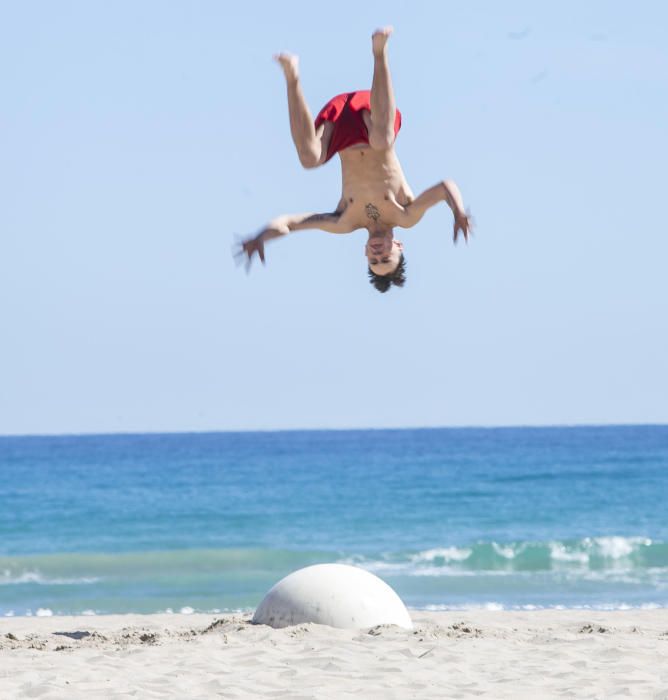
x,y
451,518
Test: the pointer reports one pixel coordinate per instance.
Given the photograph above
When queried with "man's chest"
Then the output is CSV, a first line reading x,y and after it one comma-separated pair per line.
x,y
370,207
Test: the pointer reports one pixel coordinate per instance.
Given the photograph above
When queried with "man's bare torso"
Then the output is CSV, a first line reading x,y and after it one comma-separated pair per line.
x,y
374,188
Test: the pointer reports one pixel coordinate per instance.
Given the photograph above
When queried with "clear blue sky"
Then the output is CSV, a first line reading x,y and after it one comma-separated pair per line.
x,y
136,138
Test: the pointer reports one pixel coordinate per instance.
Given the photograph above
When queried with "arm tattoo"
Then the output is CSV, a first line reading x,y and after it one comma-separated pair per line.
x,y
314,218
372,212
448,196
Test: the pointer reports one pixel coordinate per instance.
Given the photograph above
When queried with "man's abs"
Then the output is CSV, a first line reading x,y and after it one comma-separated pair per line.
x,y
374,186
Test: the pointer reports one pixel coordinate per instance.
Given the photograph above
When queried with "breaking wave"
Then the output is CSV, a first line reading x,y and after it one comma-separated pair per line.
x,y
593,554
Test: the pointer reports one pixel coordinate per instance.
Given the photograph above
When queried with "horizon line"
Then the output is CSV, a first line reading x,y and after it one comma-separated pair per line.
x,y
517,426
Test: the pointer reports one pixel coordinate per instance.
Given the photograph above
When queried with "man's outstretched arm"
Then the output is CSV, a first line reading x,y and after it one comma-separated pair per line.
x,y
333,222
444,191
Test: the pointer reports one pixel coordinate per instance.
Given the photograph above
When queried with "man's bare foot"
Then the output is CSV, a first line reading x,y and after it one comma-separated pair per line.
x,y
379,39
289,64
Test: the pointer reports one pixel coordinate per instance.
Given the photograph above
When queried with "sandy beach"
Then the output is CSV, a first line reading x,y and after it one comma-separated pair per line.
x,y
534,654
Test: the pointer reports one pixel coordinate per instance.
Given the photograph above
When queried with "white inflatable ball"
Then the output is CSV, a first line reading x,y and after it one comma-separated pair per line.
x,y
332,594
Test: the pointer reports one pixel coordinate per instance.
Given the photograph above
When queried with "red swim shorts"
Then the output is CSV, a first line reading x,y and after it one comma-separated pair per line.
x,y
345,112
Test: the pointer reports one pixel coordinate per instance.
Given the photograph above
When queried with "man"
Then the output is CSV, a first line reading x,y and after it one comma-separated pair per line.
x,y
361,127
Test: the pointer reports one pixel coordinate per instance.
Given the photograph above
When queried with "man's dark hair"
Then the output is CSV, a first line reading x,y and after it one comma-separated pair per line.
x,y
397,278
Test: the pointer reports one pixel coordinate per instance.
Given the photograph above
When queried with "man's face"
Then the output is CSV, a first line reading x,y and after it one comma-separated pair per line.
x,y
383,253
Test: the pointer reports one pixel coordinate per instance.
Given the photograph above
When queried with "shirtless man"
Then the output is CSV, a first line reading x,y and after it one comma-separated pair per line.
x,y
361,127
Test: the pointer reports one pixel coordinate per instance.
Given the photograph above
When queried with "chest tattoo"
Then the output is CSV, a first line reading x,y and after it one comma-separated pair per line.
x,y
372,212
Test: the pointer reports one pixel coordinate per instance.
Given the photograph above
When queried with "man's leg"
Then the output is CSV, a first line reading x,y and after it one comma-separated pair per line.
x,y
383,108
311,144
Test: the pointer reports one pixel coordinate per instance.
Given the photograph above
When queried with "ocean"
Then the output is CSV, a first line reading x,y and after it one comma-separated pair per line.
x,y
507,518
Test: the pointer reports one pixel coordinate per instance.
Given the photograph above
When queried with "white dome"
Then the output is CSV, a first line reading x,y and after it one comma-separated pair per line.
x,y
332,594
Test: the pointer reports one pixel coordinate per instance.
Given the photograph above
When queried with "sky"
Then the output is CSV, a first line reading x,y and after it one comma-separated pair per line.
x,y
137,139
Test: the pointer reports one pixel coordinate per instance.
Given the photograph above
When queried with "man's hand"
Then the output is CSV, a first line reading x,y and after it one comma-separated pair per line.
x,y
464,224
248,248
332,222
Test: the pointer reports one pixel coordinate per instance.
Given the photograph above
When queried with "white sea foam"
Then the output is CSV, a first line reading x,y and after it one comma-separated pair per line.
x,y
9,613
9,578
612,576
410,569
44,612
186,610
445,553
559,552
463,573
377,566
611,547
414,565
507,551
528,606
617,547
492,606
88,612
385,566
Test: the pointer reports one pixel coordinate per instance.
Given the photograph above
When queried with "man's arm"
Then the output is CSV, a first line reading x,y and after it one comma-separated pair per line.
x,y
333,222
444,191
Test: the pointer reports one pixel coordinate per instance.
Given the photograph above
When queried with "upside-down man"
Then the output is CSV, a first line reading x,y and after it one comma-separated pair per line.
x,y
361,127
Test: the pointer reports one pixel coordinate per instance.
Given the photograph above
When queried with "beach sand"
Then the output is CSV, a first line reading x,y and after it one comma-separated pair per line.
x,y
535,654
